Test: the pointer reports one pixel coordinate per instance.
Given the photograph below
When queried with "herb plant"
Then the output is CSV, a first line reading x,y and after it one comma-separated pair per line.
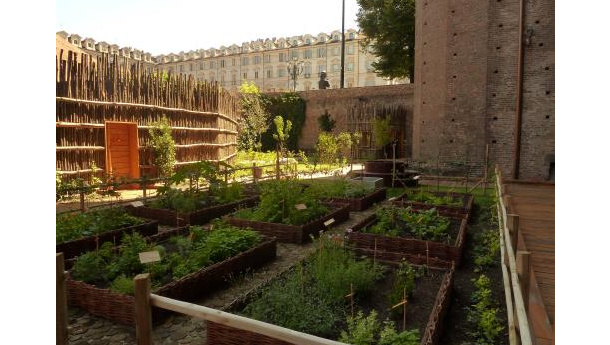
x,y
483,313
70,226
367,330
436,200
398,221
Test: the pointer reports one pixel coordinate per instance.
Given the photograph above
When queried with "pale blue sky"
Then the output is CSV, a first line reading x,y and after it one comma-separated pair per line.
x,y
164,26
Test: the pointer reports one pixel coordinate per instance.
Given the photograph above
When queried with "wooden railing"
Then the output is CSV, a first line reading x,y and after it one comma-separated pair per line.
x,y
516,270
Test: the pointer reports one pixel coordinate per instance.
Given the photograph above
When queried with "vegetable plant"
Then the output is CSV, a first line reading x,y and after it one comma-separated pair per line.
x,y
398,221
367,330
71,226
436,200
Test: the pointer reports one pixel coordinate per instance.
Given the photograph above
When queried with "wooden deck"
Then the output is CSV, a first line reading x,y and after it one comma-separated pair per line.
x,y
535,205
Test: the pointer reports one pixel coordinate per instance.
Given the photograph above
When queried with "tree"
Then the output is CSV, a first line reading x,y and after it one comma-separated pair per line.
x,y
389,29
325,122
164,146
255,119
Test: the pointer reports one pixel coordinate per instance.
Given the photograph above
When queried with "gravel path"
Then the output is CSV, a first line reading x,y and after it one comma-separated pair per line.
x,y
180,329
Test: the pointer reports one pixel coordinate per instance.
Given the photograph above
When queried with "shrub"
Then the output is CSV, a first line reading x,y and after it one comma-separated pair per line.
x,y
163,145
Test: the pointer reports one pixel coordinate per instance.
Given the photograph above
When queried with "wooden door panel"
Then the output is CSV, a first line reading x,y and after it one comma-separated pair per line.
x,y
122,149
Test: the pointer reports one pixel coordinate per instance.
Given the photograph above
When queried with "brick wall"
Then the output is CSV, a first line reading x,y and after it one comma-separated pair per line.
x,y
465,83
339,101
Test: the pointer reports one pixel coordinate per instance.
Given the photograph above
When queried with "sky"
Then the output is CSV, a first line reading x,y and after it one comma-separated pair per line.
x,y
164,26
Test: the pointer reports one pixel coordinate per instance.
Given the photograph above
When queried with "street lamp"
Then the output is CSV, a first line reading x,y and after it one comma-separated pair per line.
x,y
294,68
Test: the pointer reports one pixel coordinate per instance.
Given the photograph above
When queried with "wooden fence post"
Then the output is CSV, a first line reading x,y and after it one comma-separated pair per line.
x,y
143,309
523,272
512,222
61,307
83,208
254,172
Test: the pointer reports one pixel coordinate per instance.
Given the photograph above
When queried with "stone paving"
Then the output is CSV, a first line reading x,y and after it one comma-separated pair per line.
x,y
181,329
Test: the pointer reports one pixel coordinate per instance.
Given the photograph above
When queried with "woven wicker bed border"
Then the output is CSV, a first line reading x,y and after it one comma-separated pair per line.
x,y
169,217
295,233
361,204
120,308
411,249
464,211
219,334
79,246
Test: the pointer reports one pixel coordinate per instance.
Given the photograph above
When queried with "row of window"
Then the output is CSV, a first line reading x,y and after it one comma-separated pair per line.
x,y
281,71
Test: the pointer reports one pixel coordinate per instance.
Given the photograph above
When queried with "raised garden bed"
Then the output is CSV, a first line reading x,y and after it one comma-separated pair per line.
x,y
295,233
464,210
202,216
120,307
361,204
427,305
416,251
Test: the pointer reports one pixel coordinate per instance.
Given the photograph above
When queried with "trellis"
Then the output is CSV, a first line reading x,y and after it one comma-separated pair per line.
x,y
91,90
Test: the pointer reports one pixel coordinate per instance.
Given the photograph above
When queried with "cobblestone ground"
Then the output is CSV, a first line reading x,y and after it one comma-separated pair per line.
x,y
180,329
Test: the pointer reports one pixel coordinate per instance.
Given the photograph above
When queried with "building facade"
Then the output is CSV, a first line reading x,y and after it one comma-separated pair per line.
x,y
264,63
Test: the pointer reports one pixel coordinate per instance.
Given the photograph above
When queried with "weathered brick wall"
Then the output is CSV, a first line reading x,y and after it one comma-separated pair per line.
x,y
465,80
339,101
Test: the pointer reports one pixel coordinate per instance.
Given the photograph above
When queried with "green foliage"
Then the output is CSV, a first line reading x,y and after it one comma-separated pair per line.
x,y
326,123
278,201
255,118
311,298
163,145
124,285
71,226
404,277
436,200
483,314
339,188
188,254
282,131
486,249
335,148
291,106
383,131
366,330
389,29
65,190
399,221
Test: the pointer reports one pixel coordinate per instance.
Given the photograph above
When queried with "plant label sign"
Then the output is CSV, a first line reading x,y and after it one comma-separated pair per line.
x,y
329,222
392,198
300,206
146,257
137,204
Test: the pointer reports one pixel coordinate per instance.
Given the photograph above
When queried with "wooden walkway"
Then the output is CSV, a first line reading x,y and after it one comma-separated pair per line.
x,y
535,205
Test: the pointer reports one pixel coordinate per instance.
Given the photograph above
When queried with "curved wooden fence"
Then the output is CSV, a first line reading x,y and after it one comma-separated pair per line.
x,y
91,91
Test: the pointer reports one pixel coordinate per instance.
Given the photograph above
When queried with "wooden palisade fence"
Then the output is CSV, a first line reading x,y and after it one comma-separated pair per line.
x,y
91,91
515,271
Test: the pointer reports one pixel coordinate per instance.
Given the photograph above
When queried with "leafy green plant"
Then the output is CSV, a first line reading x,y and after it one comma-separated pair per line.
x,y
122,284
71,226
404,278
483,314
436,200
398,221
486,249
367,330
255,119
382,128
163,145
339,188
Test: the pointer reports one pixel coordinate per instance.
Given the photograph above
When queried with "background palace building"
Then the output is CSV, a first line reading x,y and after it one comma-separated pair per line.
x,y
263,61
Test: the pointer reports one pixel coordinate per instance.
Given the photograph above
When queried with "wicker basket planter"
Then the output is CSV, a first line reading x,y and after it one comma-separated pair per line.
x,y
361,204
121,308
295,233
415,251
202,216
79,246
220,334
463,211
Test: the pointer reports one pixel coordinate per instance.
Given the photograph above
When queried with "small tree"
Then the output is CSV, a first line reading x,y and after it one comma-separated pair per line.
x,y
164,146
383,133
255,119
281,136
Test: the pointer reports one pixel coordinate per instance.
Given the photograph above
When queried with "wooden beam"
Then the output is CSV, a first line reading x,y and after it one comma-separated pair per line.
x,y
143,309
61,302
239,322
101,126
80,148
510,310
512,222
523,271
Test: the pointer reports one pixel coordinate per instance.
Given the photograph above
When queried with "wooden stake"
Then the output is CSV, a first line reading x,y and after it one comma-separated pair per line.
x,y
83,208
375,253
403,303
427,256
351,297
143,309
523,272
61,302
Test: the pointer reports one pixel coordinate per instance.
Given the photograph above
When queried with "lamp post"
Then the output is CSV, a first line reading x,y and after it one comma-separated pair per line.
x,y
294,68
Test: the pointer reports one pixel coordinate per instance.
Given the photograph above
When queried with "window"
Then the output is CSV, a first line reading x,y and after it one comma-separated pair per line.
x,y
233,79
294,43
281,44
335,37
321,68
201,65
321,52
245,75
89,44
307,69
351,36
281,72
267,58
191,67
295,54
336,51
336,68
281,57
181,68
350,49
257,60
269,73
233,62
308,41
256,75
222,63
350,66
244,61
307,54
